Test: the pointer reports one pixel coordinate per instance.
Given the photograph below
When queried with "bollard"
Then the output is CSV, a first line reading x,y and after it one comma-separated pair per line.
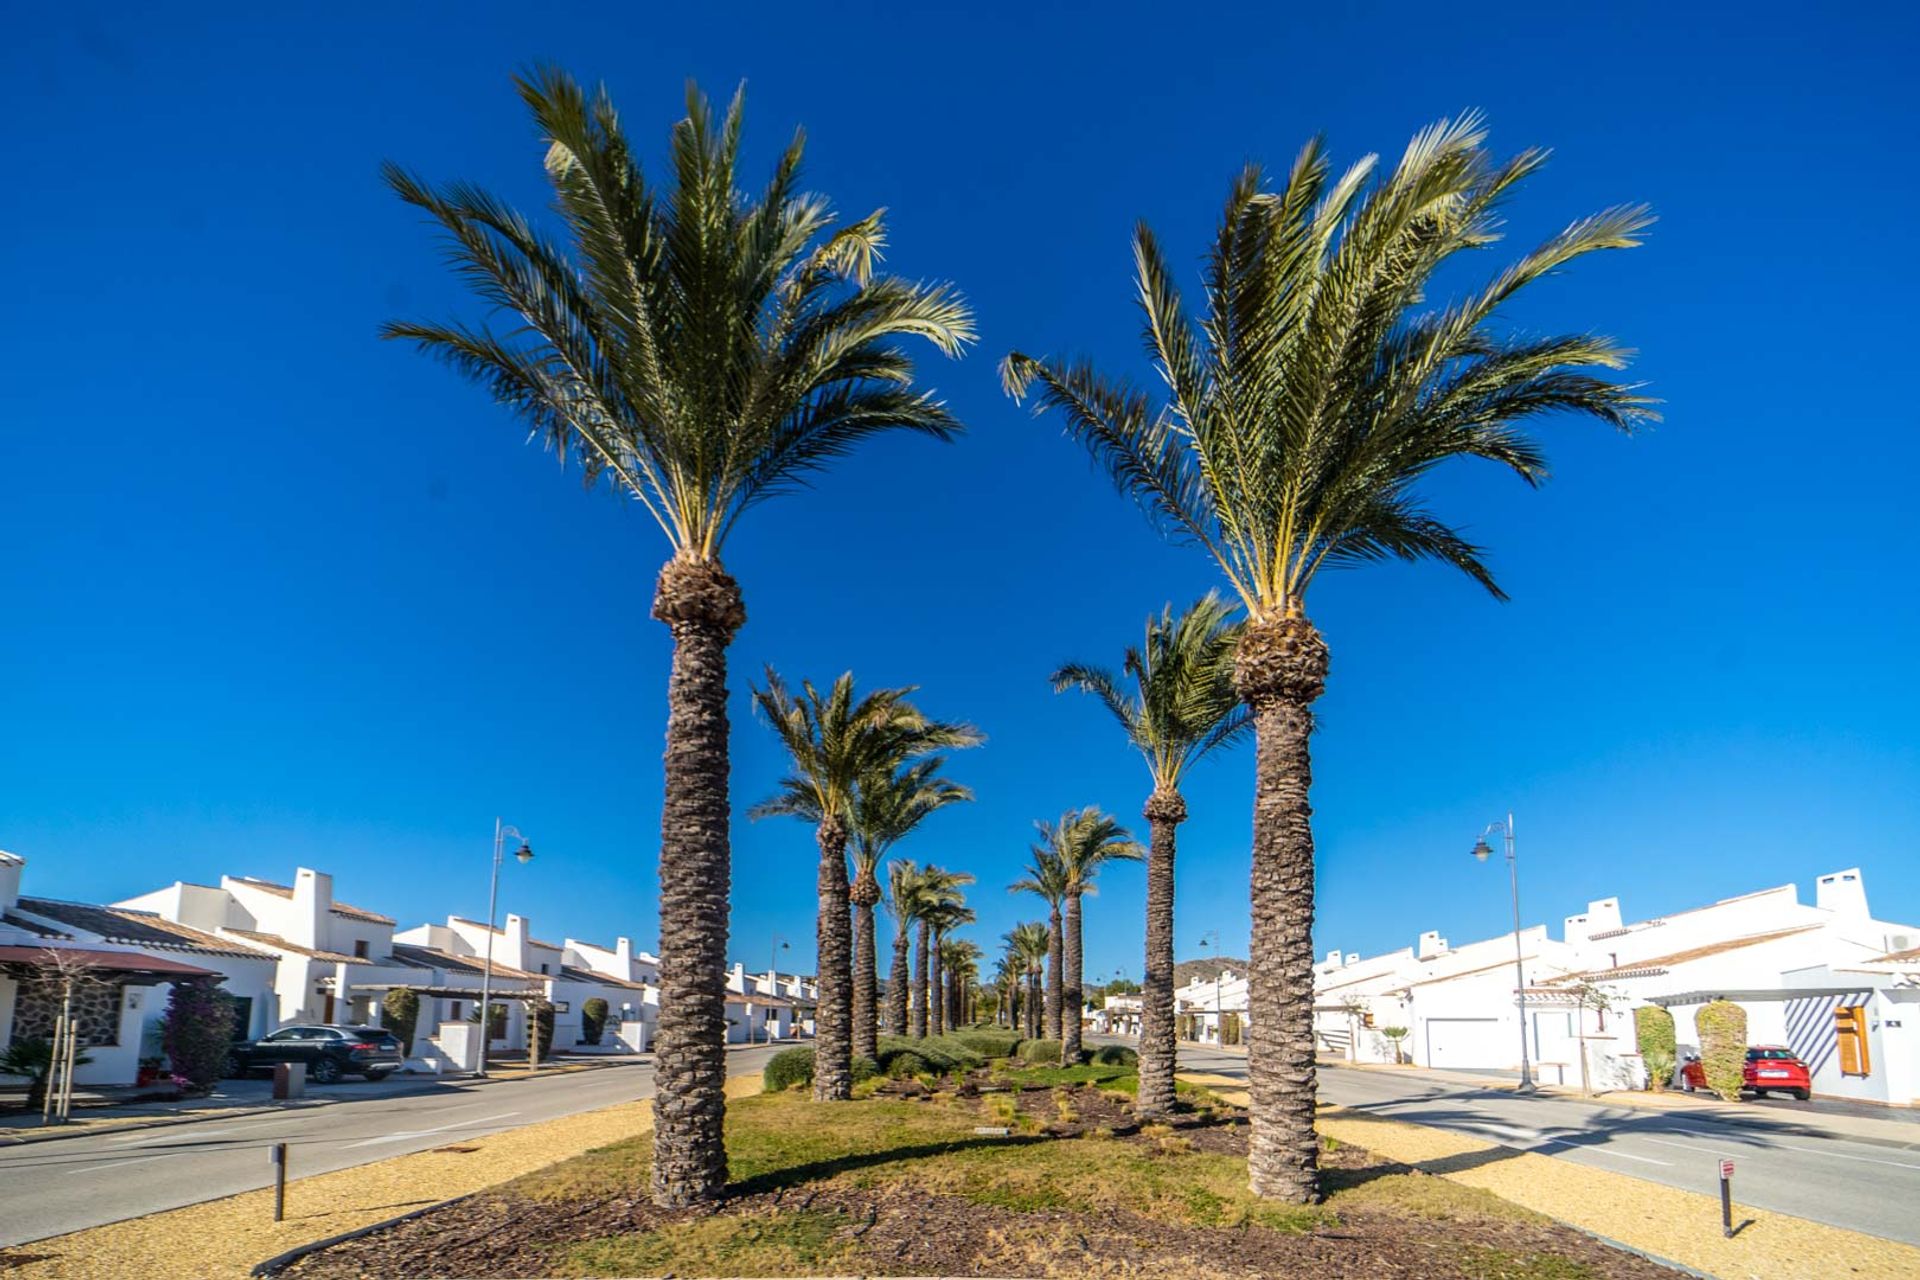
x,y
1726,1198
277,1153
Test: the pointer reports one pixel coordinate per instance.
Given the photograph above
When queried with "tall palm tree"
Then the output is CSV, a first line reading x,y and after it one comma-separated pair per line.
x,y
936,890
702,350
1030,943
886,808
903,900
1181,706
941,919
1303,407
1006,982
835,741
1046,879
1085,841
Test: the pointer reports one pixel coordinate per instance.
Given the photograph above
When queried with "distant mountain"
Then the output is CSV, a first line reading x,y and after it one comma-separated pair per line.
x,y
1206,967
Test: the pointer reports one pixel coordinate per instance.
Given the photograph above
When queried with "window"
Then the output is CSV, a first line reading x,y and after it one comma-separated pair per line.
x,y
543,968
360,948
1850,1027
453,1011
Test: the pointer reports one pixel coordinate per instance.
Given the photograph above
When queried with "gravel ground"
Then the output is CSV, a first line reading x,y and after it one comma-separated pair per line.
x,y
1676,1225
223,1239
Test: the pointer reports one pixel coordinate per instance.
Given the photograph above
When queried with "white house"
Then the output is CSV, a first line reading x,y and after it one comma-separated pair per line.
x,y
1212,1010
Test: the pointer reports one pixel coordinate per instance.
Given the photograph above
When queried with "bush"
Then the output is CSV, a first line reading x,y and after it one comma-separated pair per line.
x,y
400,1014
1115,1055
540,1016
988,1043
198,1032
904,1064
788,1069
1653,1027
1040,1053
864,1068
1722,1025
938,1055
593,1020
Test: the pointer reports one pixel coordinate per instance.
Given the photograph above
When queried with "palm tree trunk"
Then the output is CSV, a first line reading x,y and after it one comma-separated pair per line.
x,y
936,1006
1033,1004
1279,670
1071,1000
701,604
898,983
866,983
833,1029
1055,963
1165,811
917,1027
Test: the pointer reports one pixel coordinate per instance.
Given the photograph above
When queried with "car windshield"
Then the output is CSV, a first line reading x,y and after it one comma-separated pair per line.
x,y
1771,1055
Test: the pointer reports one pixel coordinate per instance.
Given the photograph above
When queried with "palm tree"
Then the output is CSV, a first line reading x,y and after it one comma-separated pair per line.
x,y
836,741
1006,981
935,890
904,896
702,350
1085,840
887,806
1182,706
1046,879
1303,407
958,960
1030,944
939,920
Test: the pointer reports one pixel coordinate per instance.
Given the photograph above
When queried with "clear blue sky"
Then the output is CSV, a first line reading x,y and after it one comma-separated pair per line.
x,y
275,593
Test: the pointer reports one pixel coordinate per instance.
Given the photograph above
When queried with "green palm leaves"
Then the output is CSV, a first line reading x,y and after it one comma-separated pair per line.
x,y
1310,394
1182,704
839,744
701,348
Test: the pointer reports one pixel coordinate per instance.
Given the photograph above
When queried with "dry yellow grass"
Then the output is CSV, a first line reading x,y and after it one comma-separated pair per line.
x,y
224,1239
1677,1225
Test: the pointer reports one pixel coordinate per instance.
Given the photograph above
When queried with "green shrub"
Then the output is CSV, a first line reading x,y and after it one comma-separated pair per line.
x,y
198,1030
593,1020
400,1014
1115,1055
788,1068
940,1055
1040,1053
904,1064
1653,1028
1722,1025
540,1015
988,1043
864,1068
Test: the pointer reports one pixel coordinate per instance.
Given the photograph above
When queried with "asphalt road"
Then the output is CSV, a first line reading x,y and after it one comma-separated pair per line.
x,y
1785,1163
51,1188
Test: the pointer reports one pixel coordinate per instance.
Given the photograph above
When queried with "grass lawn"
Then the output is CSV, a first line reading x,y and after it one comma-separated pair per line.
x,y
900,1183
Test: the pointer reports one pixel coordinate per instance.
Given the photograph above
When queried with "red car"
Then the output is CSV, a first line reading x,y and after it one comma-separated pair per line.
x,y
1771,1068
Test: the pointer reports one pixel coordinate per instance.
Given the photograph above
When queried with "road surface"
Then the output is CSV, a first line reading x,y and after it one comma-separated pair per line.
x,y
51,1188
1785,1163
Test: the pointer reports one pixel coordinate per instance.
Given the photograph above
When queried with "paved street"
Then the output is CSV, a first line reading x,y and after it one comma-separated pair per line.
x,y
50,1188
1786,1162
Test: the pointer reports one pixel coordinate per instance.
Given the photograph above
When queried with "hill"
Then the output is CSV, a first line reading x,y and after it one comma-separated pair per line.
x,y
1185,971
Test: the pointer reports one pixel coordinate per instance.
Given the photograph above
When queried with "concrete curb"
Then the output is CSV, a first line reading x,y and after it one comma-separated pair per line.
x,y
32,1136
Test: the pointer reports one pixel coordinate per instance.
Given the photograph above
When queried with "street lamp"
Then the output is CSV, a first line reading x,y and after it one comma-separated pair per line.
x,y
1481,852
523,855
775,946
1219,1037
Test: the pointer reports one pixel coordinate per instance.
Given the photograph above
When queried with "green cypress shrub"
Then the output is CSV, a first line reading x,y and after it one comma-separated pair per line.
x,y
400,1014
1722,1025
787,1069
198,1032
1653,1028
593,1020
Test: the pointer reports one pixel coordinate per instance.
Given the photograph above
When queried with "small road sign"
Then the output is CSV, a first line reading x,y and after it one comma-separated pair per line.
x,y
1726,1168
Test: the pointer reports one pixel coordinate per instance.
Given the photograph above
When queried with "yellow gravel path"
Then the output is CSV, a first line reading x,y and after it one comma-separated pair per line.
x,y
1678,1225
224,1239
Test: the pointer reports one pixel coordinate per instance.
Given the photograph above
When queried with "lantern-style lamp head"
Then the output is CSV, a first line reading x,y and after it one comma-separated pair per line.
x,y
524,854
1482,850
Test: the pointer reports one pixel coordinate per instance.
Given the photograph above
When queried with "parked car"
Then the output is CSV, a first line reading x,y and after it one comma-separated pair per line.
x,y
1770,1068
328,1052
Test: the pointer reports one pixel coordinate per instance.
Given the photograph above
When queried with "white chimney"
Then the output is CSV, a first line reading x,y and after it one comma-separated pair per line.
x,y
1353,957
514,952
623,953
1333,958
11,865
1431,944
1844,893
312,907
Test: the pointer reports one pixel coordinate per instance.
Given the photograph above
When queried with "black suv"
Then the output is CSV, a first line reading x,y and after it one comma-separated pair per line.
x,y
328,1052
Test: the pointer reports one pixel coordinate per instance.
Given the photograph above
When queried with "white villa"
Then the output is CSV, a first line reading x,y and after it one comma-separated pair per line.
x,y
293,953
1839,986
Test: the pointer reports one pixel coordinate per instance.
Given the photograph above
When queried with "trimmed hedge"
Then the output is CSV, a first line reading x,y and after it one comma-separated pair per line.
x,y
988,1043
400,1014
1653,1029
1040,1053
788,1068
936,1055
1722,1025
593,1020
1115,1055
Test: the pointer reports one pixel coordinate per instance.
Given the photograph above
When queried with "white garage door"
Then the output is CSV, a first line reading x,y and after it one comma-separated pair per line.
x,y
1463,1042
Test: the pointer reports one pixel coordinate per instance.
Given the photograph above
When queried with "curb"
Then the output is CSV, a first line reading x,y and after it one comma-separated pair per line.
x,y
30,1137
280,1261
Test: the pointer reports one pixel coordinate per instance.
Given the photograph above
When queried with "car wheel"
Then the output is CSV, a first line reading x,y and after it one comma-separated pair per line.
x,y
376,1077
325,1071
1804,1095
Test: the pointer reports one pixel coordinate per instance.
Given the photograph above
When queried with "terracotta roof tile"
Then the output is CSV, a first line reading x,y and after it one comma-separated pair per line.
x,y
136,928
1660,964
281,944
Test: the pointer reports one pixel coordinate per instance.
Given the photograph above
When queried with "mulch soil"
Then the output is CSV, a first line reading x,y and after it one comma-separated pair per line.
x,y
910,1232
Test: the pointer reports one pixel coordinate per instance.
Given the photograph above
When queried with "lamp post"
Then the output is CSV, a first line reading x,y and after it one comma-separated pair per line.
x,y
775,946
1218,1037
522,855
1482,851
